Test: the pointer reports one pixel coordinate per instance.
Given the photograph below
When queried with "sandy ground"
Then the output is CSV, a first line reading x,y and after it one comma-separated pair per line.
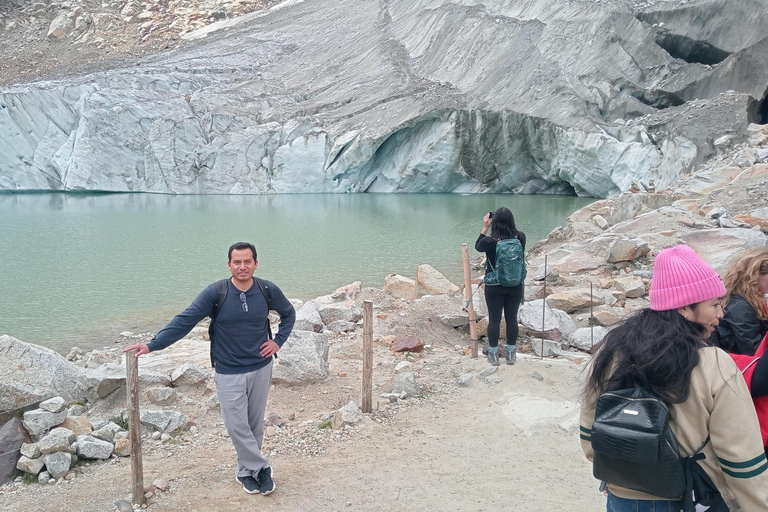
x,y
509,442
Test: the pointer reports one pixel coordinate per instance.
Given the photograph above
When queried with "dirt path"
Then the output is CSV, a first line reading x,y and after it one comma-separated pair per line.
x,y
510,444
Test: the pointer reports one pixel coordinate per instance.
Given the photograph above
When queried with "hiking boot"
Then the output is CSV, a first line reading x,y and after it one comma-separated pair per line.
x,y
266,485
511,354
250,485
493,358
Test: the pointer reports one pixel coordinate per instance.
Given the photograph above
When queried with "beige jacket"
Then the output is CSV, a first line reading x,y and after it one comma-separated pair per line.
x,y
720,406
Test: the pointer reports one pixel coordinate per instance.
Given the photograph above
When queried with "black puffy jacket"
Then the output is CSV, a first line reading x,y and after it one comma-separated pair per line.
x,y
740,331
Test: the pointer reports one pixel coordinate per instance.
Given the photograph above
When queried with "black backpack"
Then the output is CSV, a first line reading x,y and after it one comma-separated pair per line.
x,y
221,293
634,448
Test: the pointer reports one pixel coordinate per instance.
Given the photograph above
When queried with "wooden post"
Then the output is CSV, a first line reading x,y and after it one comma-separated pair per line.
x,y
367,355
134,426
468,296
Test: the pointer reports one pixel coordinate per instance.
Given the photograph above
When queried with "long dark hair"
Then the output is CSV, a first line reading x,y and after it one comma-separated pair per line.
x,y
503,224
661,345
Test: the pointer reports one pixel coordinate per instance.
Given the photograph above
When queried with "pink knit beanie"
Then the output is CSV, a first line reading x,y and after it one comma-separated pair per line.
x,y
681,278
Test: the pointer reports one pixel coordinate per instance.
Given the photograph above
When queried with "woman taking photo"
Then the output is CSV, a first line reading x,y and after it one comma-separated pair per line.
x,y
746,314
667,347
500,298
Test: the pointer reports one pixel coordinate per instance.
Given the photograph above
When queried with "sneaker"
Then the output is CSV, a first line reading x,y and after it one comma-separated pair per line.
x,y
250,485
493,358
266,485
511,355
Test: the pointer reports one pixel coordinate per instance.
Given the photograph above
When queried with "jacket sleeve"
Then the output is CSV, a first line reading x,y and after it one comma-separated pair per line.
x,y
735,434
287,314
746,328
183,323
482,243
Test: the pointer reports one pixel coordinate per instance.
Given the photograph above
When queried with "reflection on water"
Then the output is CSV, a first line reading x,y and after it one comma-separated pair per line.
x,y
76,269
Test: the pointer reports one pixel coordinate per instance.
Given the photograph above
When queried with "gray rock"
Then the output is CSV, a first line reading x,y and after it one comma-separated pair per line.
x,y
57,440
308,318
148,379
344,311
43,478
624,249
351,413
12,447
58,464
404,382
537,376
189,375
546,347
465,380
487,371
106,378
302,359
536,314
38,422
164,421
631,286
55,404
445,308
31,466
76,410
88,447
586,337
30,450
341,326
400,287
161,396
30,374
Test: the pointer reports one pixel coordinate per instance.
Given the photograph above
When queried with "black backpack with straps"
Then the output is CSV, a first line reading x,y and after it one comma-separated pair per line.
x,y
221,293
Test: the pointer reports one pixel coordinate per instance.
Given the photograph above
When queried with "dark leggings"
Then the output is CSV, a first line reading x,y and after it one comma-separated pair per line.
x,y
501,298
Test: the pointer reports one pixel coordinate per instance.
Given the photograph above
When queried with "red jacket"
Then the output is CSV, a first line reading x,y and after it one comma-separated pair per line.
x,y
747,366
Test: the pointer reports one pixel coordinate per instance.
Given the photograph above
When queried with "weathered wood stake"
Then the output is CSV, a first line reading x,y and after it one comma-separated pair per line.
x,y
367,355
134,427
544,306
468,296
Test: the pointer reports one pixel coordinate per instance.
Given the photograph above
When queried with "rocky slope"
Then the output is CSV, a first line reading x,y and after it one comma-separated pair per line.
x,y
398,96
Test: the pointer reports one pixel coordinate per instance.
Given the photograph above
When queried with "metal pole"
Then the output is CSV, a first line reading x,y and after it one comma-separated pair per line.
x,y
134,427
543,306
468,296
367,356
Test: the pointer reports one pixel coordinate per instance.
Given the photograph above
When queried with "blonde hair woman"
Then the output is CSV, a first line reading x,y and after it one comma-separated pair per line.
x,y
746,313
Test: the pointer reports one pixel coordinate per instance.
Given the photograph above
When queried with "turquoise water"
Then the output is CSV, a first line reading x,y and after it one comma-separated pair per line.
x,y
77,269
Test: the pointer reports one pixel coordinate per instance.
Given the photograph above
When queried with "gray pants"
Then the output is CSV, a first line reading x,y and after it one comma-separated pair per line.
x,y
243,400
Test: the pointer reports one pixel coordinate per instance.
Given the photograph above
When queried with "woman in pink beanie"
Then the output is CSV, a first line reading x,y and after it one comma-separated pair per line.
x,y
667,346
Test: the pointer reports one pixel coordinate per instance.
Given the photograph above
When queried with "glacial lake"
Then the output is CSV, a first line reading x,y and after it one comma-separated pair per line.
x,y
77,269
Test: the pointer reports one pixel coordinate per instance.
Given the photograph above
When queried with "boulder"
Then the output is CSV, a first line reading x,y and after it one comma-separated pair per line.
x,y
478,301
341,326
106,378
161,396
346,311
57,440
556,324
31,466
12,438
575,299
632,286
446,309
400,287
308,318
162,420
38,422
30,374
189,375
717,246
431,282
586,337
57,464
546,348
627,249
302,359
55,404
88,447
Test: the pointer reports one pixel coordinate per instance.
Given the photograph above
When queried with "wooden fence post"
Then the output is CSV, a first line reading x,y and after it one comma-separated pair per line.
x,y
367,405
468,297
134,426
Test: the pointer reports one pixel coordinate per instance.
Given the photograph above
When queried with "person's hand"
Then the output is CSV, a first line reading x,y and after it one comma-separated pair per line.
x,y
140,348
269,348
486,220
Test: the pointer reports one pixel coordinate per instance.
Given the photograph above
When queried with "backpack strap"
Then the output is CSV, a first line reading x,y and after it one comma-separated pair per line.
x,y
221,293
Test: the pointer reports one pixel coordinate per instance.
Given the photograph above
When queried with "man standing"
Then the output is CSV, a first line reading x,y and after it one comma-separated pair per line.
x,y
241,352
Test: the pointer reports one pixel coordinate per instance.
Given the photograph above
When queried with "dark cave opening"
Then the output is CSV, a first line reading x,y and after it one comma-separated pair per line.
x,y
758,110
690,50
